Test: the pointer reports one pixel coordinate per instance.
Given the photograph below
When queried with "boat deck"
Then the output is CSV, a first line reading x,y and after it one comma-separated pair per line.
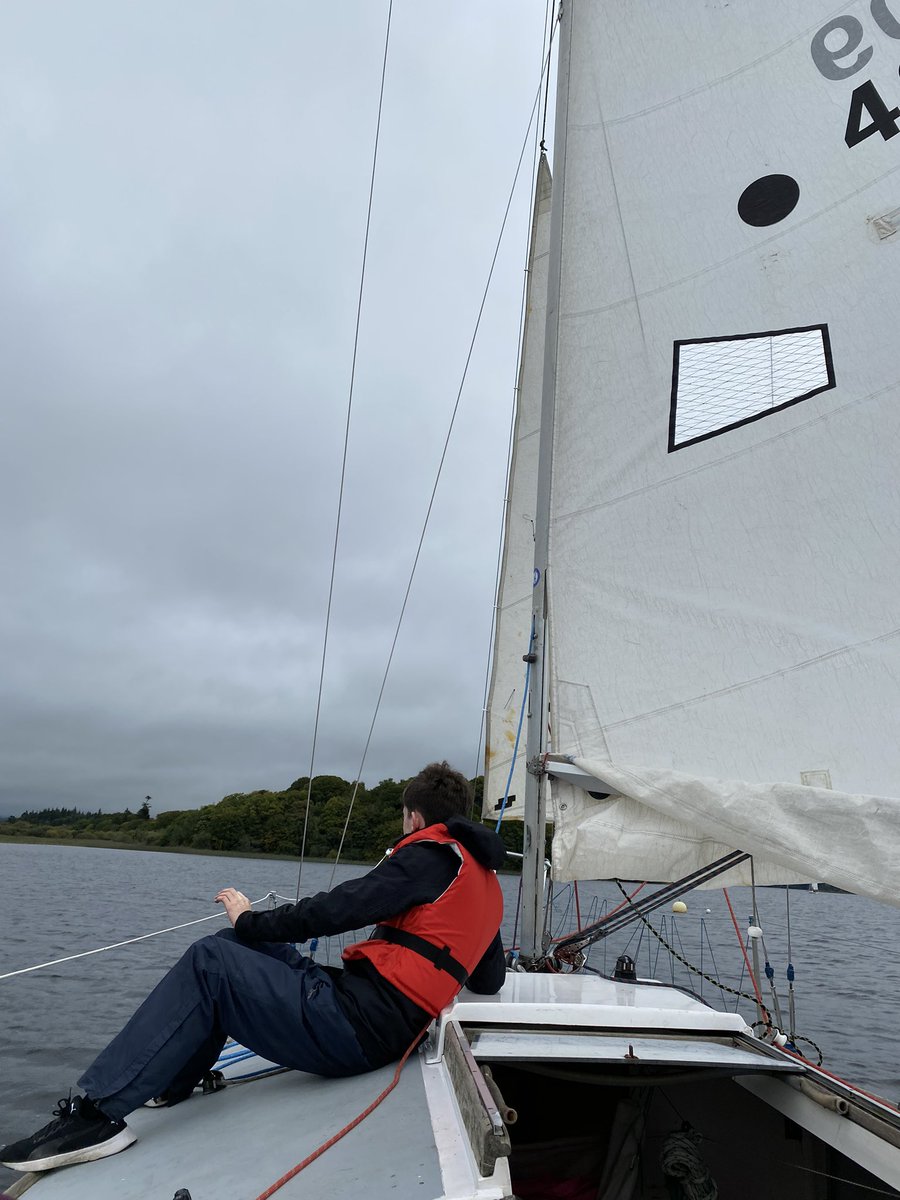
x,y
239,1141
440,1132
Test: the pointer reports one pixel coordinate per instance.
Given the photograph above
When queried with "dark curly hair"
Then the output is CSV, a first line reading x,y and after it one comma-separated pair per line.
x,y
438,793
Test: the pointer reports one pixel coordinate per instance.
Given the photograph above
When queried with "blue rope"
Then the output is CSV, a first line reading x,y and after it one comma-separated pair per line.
x,y
234,1056
256,1075
512,765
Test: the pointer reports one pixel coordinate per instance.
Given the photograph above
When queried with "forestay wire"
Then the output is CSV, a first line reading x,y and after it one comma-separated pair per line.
x,y
337,527
546,49
440,467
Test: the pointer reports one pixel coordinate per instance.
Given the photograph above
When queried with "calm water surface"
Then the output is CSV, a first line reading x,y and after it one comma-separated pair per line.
x,y
58,900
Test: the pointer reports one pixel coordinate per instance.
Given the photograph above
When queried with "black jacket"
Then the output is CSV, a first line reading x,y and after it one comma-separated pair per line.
x,y
384,1020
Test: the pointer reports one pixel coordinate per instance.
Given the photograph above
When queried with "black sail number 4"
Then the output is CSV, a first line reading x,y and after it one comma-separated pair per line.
x,y
866,105
843,47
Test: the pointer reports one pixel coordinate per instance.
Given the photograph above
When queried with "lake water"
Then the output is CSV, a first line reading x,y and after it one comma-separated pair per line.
x,y
59,900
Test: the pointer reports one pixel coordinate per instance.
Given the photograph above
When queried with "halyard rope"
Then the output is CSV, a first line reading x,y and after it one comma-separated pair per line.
x,y
127,942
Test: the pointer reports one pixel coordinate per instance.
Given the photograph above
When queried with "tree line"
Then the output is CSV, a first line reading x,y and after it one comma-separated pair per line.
x,y
260,822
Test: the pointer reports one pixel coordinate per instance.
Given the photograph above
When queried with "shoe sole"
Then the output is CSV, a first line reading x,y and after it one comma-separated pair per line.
x,y
119,1141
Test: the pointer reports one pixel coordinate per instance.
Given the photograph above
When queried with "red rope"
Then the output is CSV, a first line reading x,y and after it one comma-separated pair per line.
x,y
279,1183
796,1053
611,912
759,999
640,887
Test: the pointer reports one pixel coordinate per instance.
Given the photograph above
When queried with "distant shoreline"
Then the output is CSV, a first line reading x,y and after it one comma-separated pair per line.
x,y
102,844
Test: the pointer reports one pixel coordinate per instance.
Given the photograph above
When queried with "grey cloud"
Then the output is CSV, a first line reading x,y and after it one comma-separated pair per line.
x,y
182,201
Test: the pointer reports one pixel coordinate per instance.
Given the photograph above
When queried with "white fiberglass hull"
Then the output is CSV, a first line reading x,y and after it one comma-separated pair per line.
x,y
601,1073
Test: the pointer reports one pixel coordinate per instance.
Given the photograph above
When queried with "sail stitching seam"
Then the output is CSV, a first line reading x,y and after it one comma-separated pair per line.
x,y
724,262
736,454
721,79
748,683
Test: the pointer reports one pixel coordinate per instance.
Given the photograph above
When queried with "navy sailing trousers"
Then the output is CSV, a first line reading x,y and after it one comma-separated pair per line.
x,y
265,995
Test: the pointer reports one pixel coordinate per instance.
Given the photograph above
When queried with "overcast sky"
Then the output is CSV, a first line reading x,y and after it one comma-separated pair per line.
x,y
182,204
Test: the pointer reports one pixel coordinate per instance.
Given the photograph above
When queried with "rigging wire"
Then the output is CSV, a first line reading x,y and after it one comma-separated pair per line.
x,y
515,751
750,972
792,1014
606,916
696,970
669,891
337,527
553,25
440,469
127,942
545,72
863,1187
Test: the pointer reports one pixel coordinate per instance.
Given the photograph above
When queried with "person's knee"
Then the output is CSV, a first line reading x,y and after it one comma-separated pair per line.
x,y
213,948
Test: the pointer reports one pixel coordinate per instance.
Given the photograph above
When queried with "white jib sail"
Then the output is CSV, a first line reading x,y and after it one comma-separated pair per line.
x,y
505,738
724,571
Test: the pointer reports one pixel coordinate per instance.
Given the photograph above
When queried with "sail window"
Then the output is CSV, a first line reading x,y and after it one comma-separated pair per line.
x,y
722,383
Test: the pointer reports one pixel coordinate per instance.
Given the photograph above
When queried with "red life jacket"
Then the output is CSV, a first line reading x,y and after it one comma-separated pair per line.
x,y
428,951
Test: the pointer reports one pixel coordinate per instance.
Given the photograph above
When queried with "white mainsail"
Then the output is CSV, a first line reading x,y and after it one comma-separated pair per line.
x,y
724,566
505,736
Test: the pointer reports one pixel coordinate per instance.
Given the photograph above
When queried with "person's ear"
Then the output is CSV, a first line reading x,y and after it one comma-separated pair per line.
x,y
418,821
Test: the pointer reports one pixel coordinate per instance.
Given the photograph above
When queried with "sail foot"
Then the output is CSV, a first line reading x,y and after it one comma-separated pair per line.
x,y
654,824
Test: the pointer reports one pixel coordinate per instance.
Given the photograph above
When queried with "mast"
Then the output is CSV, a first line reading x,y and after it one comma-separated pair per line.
x,y
535,815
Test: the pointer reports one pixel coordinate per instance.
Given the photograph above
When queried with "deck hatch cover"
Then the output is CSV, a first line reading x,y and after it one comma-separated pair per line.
x,y
613,1050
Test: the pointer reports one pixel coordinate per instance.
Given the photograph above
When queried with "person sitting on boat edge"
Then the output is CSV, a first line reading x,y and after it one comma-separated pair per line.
x,y
436,903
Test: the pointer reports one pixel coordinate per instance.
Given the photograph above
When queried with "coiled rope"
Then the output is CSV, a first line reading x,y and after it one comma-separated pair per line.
x,y
55,962
680,1159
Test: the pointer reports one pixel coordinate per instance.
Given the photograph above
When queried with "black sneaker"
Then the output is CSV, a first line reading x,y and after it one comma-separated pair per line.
x,y
80,1133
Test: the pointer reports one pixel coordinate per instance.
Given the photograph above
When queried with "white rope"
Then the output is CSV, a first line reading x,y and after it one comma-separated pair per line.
x,y
680,1159
115,945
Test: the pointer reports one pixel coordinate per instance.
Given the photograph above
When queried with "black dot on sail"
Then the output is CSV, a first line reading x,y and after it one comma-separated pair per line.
x,y
768,200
